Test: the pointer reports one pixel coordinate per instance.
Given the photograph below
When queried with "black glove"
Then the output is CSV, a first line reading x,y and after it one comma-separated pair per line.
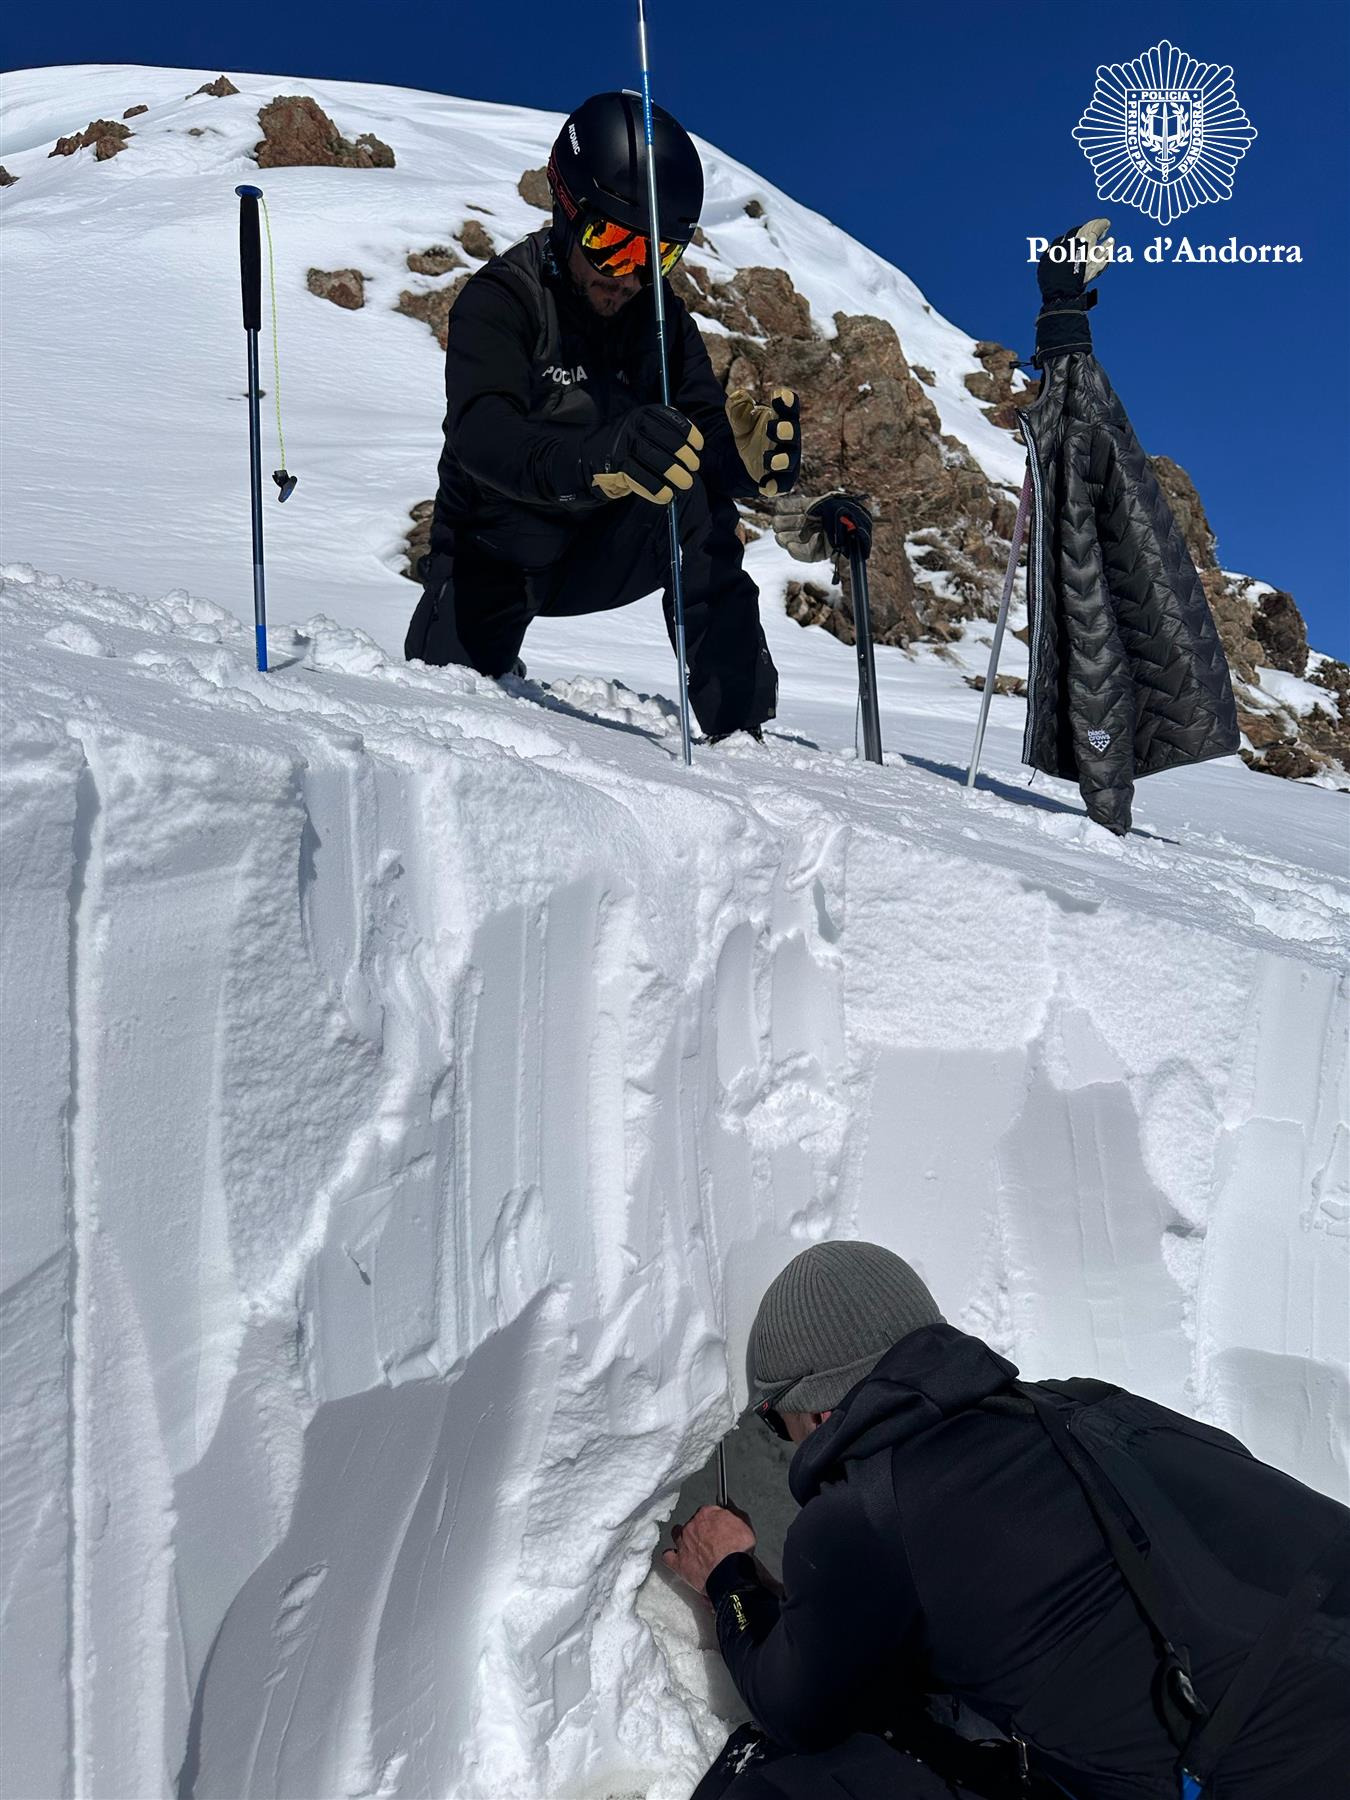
x,y
652,451
846,523
1066,267
814,530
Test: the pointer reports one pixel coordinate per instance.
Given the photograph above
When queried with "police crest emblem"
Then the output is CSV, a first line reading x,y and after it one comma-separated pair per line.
x,y
1164,133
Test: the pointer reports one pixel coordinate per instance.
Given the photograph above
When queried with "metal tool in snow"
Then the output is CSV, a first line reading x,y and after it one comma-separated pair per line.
x,y
250,273
1019,532
847,527
659,300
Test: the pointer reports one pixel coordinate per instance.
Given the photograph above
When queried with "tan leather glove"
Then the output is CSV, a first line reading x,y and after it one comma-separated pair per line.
x,y
654,451
768,438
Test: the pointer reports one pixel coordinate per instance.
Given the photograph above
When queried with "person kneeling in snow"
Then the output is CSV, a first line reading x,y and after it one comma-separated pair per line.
x,y
560,461
965,1536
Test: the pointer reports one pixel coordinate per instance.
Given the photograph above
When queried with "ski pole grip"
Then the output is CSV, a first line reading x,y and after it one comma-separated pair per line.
x,y
250,256
845,523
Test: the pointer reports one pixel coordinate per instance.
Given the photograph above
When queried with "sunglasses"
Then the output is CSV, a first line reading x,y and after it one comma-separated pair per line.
x,y
615,250
767,1410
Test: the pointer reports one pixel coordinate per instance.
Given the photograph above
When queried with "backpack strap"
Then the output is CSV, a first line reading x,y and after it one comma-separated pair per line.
x,y
1182,1708
1243,1692
1201,1736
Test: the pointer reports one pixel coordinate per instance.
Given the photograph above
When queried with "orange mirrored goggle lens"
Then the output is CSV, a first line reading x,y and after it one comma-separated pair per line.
x,y
615,250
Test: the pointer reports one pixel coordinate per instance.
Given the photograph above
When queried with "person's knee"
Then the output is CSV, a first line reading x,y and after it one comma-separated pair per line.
x,y
431,636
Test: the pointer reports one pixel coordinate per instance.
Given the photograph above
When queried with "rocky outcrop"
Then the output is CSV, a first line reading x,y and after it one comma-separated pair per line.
x,y
344,287
218,89
438,260
869,425
534,190
419,537
433,308
134,112
1279,628
6,179
476,240
297,133
105,136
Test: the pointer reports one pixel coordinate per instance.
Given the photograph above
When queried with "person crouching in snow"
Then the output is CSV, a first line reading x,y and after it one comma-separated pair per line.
x,y
560,460
966,1536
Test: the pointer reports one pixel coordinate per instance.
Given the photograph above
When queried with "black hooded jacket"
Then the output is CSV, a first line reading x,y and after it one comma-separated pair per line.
x,y
944,1547
1127,675
532,376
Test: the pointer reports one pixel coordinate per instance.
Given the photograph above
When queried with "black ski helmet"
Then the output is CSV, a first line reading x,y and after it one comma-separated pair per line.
x,y
598,164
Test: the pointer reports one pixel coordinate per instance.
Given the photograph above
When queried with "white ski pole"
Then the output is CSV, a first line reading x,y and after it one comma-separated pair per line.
x,y
659,298
1019,532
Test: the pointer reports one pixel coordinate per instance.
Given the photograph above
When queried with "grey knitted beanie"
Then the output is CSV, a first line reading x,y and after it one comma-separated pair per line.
x,y
829,1318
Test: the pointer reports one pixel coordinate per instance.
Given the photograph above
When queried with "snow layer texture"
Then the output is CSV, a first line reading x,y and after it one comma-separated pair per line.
x,y
417,1086
413,1082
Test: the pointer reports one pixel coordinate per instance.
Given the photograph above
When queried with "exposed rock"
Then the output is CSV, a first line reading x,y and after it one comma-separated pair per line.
x,y
297,133
344,287
1233,612
433,309
534,190
107,136
419,538
1003,684
1262,729
926,376
1291,761
1335,677
993,381
765,303
218,88
810,604
438,260
754,209
1279,627
1327,729
1189,514
133,112
381,156
6,179
474,237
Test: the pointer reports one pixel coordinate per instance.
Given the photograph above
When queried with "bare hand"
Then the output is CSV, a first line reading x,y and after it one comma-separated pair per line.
x,y
712,1533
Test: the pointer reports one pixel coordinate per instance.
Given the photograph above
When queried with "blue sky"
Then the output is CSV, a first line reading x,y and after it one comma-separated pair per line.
x,y
940,135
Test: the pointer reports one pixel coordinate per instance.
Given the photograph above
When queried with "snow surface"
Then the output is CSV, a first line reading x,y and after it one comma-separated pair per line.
x,y
412,1082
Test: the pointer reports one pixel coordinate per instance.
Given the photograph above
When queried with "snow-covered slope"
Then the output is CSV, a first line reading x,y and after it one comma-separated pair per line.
x,y
411,1083
124,347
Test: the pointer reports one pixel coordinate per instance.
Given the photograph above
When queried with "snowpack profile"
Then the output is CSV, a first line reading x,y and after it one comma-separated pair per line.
x,y
560,459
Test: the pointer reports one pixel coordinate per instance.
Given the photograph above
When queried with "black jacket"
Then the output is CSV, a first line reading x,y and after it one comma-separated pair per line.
x,y
532,374
1128,676
944,1547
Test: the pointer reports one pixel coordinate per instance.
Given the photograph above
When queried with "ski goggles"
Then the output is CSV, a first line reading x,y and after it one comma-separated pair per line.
x,y
615,250
768,1412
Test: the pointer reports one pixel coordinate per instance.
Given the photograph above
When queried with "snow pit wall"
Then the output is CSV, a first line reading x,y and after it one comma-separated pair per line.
x,y
400,1135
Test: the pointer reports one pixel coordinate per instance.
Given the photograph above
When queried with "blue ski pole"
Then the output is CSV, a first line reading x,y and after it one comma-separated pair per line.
x,y
658,294
250,271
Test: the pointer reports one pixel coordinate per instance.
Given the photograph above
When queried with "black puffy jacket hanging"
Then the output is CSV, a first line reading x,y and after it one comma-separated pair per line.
x,y
1127,675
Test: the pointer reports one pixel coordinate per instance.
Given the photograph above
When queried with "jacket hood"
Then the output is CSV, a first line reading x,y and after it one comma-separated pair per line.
x,y
926,1377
